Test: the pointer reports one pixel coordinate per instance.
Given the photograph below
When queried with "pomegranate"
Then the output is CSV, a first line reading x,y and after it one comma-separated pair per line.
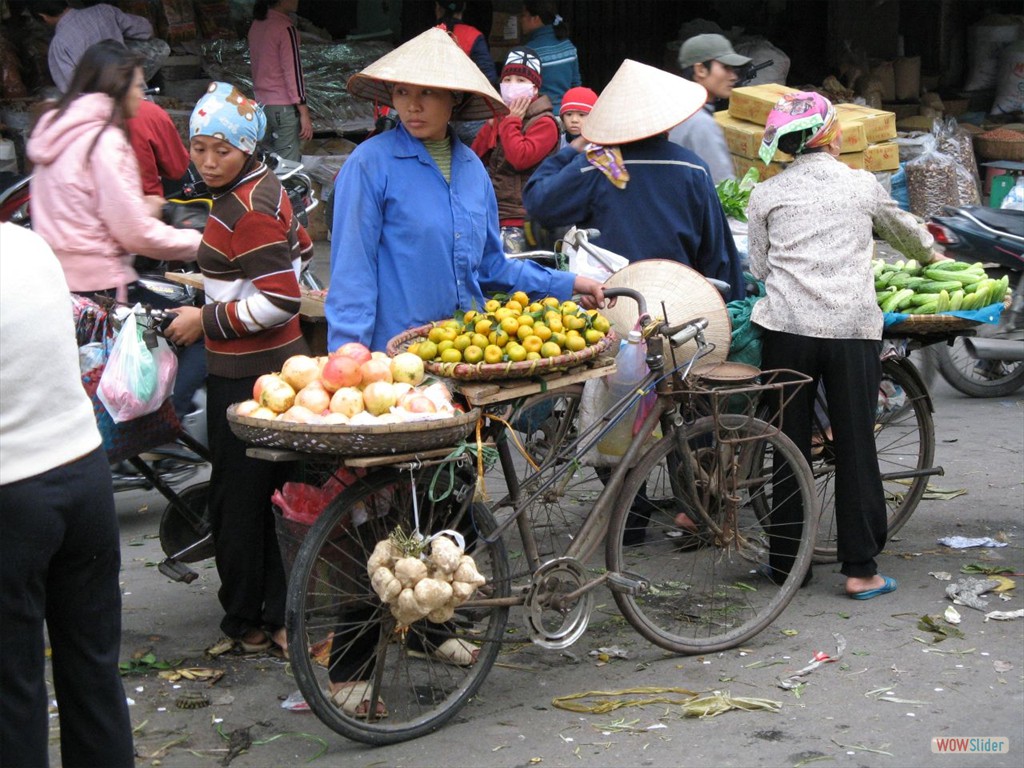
x,y
419,404
355,350
300,415
263,413
347,401
379,396
277,394
246,408
257,388
375,370
408,368
341,371
300,370
335,418
314,397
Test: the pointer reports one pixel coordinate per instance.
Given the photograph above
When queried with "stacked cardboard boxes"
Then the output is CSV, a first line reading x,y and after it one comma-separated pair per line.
x,y
865,140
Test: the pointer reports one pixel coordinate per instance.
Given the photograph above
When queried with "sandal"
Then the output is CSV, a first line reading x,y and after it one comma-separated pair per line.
x,y
256,646
454,651
279,637
354,700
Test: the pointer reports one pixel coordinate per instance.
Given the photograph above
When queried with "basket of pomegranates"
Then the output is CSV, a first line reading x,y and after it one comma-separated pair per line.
x,y
513,337
351,403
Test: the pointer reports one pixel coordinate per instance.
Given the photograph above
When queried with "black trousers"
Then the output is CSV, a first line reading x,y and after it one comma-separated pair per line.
x,y
252,576
851,372
60,556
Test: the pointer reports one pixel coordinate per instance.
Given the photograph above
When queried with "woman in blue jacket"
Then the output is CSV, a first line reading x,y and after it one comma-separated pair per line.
x,y
416,233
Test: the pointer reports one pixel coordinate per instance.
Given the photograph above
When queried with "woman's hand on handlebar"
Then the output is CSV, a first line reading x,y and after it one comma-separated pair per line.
x,y
186,328
591,293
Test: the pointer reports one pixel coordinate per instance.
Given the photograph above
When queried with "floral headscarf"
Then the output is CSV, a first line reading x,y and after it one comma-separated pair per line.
x,y
798,112
225,113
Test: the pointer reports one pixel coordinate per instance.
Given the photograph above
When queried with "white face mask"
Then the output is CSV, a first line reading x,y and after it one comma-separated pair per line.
x,y
512,91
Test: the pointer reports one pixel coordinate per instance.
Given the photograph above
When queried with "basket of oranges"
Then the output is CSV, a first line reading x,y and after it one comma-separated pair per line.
x,y
512,337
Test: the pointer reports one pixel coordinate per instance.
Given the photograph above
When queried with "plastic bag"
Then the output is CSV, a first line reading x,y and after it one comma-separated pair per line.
x,y
745,345
956,143
138,378
931,180
583,261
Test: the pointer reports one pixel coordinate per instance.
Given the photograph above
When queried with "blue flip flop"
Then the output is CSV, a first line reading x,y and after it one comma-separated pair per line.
x,y
889,586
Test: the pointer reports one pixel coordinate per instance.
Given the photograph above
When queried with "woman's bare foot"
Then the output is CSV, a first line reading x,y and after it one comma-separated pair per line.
x,y
855,585
683,521
279,637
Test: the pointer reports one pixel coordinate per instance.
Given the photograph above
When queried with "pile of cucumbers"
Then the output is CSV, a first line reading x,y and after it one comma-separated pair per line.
x,y
912,288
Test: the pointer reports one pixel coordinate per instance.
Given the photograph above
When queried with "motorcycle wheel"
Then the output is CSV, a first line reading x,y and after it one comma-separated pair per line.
x,y
981,378
179,531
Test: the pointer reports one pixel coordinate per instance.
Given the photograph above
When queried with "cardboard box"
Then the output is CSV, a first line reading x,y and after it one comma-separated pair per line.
x,y
744,138
753,102
504,27
742,164
875,157
878,125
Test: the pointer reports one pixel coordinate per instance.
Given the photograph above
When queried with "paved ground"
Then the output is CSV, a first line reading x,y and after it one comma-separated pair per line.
x,y
879,706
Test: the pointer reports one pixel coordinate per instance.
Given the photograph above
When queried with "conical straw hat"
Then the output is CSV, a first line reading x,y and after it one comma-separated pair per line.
x,y
639,102
686,296
431,59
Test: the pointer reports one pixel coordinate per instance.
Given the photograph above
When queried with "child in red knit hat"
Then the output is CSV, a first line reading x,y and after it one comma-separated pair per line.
x,y
576,105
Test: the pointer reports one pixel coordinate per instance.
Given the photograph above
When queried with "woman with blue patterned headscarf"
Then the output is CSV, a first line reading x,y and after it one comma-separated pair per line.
x,y
251,255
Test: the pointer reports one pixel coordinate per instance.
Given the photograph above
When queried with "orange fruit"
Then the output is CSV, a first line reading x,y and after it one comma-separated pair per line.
x,y
535,307
451,355
542,330
493,354
510,326
479,340
549,301
514,305
472,354
533,344
570,307
550,349
462,341
492,305
533,355
468,317
498,338
526,320
484,326
592,335
558,338
521,298
516,352
427,350
600,323
445,344
436,334
575,343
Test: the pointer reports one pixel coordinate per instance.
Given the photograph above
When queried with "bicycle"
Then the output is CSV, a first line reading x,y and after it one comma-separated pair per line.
x,y
689,593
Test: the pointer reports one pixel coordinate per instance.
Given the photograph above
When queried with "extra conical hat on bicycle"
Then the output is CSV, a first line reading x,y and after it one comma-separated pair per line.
x,y
431,59
686,296
641,101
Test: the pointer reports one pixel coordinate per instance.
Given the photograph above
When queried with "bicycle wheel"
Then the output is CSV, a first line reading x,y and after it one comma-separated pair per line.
x,y
544,423
705,591
904,441
348,635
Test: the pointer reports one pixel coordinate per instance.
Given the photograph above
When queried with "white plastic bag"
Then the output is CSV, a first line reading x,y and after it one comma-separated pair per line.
x,y
137,379
589,259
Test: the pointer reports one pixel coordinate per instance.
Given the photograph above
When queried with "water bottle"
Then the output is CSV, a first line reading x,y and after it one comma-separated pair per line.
x,y
630,370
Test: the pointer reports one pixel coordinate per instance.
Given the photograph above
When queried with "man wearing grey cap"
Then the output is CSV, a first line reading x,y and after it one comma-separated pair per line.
x,y
709,60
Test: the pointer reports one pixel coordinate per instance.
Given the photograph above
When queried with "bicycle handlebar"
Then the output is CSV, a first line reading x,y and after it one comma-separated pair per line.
x,y
677,334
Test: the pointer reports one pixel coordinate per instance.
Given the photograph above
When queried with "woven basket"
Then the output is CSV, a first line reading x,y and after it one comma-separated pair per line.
x,y
346,440
1000,149
488,371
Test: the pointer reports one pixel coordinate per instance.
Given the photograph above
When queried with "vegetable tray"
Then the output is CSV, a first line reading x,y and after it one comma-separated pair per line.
x,y
354,440
489,371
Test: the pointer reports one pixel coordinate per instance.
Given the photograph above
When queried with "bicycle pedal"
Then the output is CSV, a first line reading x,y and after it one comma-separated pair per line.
x,y
627,584
177,571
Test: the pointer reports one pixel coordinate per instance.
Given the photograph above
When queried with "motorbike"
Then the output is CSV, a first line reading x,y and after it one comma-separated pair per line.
x,y
990,363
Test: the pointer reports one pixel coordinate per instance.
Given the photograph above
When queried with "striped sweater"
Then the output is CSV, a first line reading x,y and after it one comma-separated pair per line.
x,y
251,255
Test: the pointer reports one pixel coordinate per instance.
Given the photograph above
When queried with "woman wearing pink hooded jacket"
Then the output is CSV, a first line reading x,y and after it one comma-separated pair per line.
x,y
87,200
